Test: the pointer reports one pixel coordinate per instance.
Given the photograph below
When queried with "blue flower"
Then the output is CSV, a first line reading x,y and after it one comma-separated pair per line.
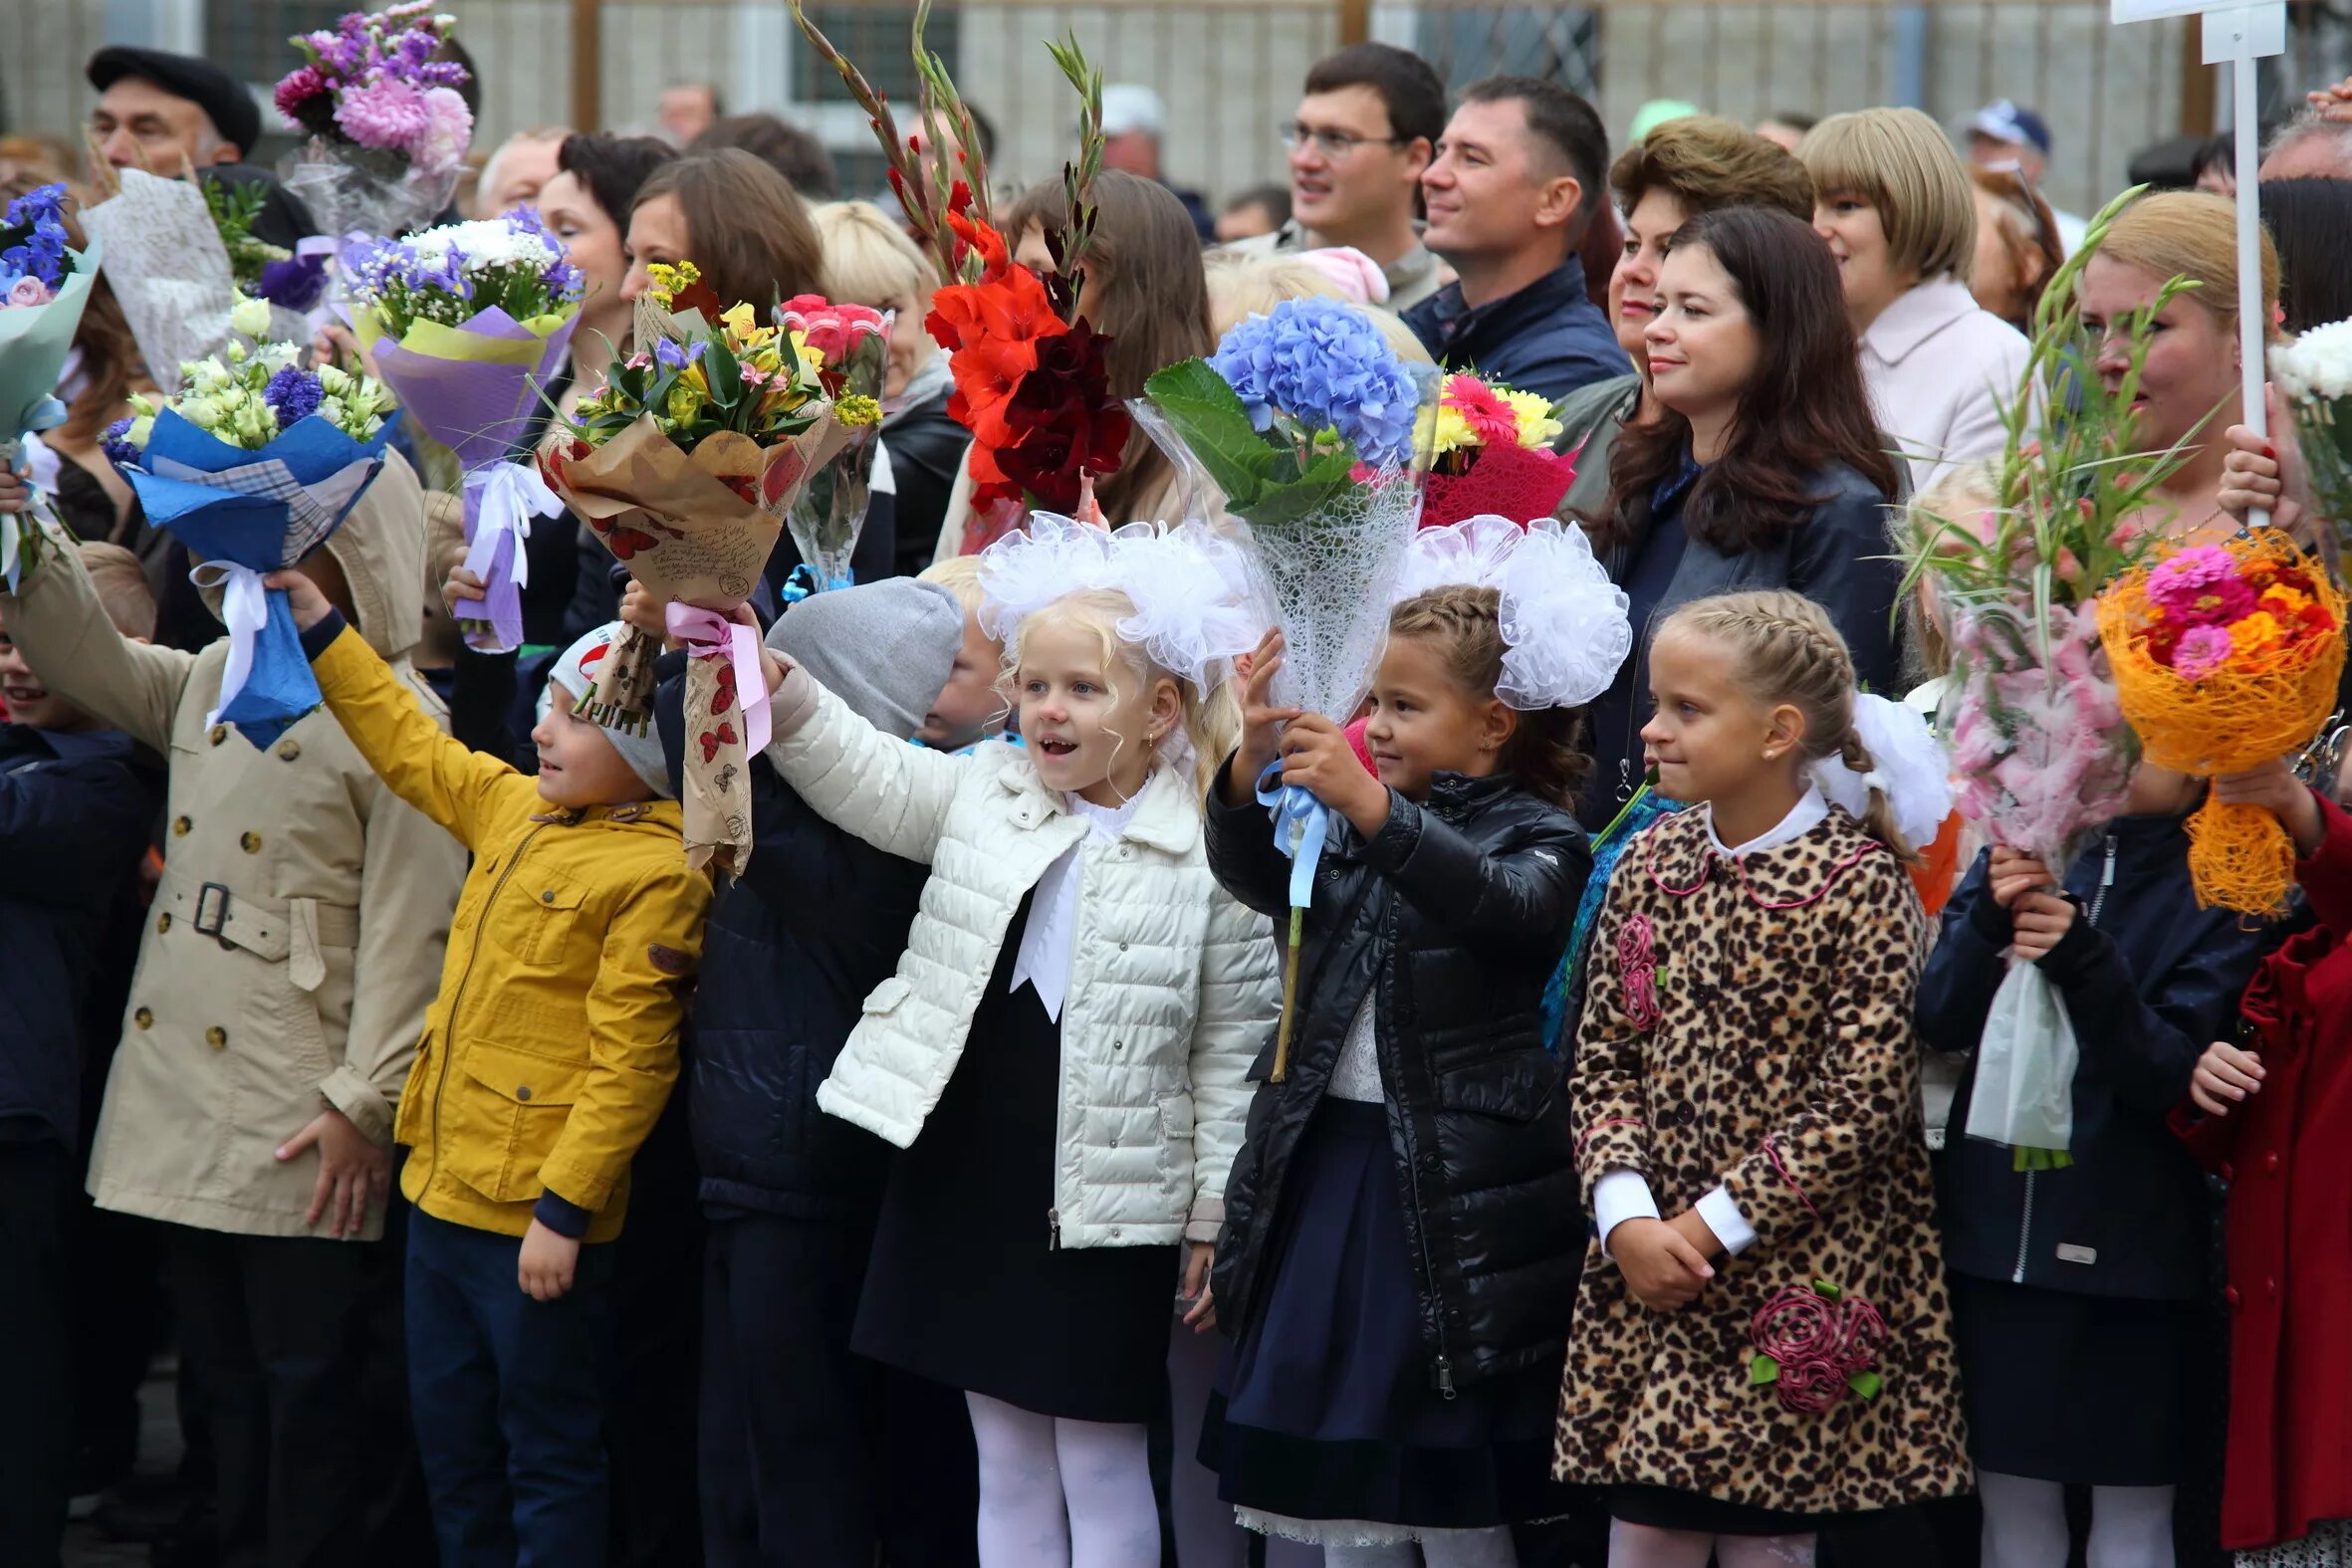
x,y
295,284
33,235
677,357
1324,365
294,394
116,443
564,282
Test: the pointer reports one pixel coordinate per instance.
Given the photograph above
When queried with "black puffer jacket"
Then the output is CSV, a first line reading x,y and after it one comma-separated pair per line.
x,y
790,952
1457,911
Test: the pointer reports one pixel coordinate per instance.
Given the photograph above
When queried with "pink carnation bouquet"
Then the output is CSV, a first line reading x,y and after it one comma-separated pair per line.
x,y
387,129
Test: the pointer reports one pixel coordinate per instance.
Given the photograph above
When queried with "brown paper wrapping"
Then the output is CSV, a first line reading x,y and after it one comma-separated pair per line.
x,y
687,525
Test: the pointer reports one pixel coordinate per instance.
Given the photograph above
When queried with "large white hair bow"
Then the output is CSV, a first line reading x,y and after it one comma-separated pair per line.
x,y
1907,765
1566,628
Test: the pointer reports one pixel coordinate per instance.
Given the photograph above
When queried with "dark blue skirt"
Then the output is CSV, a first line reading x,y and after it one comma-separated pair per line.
x,y
1324,1408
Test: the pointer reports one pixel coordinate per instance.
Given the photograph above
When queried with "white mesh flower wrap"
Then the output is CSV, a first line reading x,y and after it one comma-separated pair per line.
x,y
1907,765
1328,584
1566,628
1189,587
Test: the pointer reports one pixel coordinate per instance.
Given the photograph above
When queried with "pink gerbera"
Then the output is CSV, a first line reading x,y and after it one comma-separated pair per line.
x,y
1490,418
2200,651
387,113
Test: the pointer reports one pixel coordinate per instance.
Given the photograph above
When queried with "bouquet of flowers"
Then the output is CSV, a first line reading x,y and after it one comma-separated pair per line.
x,y
253,465
685,465
183,258
1305,418
465,322
2314,375
43,289
2041,751
852,347
2227,656
1491,455
1031,382
387,131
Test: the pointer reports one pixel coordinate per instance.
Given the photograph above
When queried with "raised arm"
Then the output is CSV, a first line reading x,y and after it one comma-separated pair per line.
x,y
892,793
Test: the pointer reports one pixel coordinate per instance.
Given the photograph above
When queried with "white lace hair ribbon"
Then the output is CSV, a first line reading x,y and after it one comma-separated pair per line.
x,y
1907,765
1189,587
1566,628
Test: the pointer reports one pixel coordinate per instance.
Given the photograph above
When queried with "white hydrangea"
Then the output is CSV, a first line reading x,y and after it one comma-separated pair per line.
x,y
2317,365
485,242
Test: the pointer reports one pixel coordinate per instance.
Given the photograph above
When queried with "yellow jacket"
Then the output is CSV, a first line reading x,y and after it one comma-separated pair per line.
x,y
553,1044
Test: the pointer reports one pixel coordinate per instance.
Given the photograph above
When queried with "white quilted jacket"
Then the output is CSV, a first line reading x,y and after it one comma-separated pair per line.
x,y
1172,984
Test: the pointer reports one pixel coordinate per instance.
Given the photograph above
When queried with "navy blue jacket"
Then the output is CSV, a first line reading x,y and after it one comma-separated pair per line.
x,y
75,814
1548,338
790,952
2148,987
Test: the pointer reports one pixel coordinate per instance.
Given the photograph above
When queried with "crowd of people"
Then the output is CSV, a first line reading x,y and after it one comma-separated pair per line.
x,y
942,1189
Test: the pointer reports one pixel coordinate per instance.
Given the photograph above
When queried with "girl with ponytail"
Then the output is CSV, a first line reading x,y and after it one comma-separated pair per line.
x,y
1761,1340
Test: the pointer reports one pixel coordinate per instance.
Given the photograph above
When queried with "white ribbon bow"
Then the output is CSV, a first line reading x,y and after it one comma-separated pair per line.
x,y
512,494
245,606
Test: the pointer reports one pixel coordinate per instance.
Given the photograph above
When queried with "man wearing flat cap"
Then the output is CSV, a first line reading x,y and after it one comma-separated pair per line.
x,y
155,110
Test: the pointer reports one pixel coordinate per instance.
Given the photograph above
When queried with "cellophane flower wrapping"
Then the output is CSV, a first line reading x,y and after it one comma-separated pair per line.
x,y
387,131
253,467
466,323
2313,377
43,289
852,346
1490,453
684,467
2227,656
2041,754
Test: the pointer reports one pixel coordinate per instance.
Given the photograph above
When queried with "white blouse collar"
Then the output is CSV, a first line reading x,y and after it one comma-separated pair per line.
x,y
1808,813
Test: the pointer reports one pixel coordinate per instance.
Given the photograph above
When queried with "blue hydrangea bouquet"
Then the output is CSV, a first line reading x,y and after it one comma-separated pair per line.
x,y
251,466
1305,419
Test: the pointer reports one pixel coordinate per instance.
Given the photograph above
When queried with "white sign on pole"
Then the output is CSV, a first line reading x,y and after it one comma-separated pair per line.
x,y
2236,33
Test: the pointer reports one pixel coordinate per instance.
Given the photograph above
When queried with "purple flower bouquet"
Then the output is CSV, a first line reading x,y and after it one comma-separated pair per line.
x,y
387,129
465,324
43,287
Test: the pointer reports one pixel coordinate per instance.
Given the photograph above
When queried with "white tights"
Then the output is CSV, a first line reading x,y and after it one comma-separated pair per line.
x,y
1436,1549
2025,1524
1054,1492
1645,1546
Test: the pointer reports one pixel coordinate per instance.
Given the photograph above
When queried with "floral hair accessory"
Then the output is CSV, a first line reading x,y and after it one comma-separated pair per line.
x,y
1188,586
1566,625
1816,1345
1907,765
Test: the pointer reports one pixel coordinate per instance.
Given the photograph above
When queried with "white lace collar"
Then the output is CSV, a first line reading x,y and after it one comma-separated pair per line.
x,y
1808,813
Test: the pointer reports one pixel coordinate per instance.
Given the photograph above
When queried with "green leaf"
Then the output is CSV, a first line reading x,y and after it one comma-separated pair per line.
x,y
1208,414
1288,502
1827,1291
723,373
1866,1384
1762,1370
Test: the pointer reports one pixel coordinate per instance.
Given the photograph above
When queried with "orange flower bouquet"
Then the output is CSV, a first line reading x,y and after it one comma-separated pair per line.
x,y
2227,656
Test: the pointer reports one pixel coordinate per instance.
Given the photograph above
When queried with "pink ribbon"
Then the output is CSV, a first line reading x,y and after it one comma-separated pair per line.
x,y
708,635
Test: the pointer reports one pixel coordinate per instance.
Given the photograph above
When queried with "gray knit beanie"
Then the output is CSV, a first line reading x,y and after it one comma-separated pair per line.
x,y
885,648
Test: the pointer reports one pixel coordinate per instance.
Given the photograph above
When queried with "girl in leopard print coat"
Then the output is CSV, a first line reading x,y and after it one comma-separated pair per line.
x,y
1776,1349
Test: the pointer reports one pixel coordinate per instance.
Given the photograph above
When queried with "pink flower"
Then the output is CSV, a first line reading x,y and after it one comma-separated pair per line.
x,y
296,87
29,290
449,128
1490,418
833,330
2202,651
388,114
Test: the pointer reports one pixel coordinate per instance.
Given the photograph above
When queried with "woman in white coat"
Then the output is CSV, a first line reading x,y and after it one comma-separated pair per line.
x,y
1894,203
1063,1051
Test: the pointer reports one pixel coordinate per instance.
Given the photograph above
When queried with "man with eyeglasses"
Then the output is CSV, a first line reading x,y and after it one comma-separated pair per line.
x,y
1362,135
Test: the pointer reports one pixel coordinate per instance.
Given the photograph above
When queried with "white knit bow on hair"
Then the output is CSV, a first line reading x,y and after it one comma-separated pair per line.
x,y
1566,628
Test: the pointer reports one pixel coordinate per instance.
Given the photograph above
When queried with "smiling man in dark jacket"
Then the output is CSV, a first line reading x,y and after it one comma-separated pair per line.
x,y
1515,184
76,804
811,1455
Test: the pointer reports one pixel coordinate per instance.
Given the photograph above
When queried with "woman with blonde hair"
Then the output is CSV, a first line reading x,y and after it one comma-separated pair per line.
x,y
1894,203
2017,245
871,262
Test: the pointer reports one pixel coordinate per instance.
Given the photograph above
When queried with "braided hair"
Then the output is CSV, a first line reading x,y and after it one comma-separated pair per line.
x,y
1786,649
1545,751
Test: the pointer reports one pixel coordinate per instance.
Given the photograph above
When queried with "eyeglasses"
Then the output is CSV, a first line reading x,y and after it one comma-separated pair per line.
x,y
1333,145
2029,203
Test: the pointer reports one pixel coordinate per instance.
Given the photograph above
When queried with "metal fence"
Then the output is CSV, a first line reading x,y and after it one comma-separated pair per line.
x,y
1230,68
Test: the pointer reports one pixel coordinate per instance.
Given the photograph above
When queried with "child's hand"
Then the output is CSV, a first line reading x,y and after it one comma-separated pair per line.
x,y
310,607
460,588
2040,919
1262,724
1662,1270
15,490
2014,874
1202,1316
548,1263
2224,1076
352,1172
1318,759
2274,788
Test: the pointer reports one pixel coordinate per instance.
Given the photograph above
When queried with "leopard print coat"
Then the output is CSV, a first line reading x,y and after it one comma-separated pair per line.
x,y
1748,1021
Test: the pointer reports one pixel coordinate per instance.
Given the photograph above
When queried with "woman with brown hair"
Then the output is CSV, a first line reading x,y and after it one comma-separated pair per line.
x,y
1147,289
736,219
2018,246
1762,469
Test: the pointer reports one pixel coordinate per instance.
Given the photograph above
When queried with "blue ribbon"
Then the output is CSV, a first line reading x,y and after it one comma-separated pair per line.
x,y
1300,824
803,583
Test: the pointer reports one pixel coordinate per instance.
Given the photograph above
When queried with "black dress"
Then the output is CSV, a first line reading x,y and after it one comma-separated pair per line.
x,y
968,1284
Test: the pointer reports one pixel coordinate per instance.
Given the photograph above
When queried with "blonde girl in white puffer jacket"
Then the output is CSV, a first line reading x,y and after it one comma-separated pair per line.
x,y
1064,1052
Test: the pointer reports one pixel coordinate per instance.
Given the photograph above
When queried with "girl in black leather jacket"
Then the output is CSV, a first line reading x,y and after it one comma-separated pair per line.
x,y
1402,1228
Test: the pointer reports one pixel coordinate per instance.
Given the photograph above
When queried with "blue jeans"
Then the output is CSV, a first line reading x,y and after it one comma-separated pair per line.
x,y
508,1400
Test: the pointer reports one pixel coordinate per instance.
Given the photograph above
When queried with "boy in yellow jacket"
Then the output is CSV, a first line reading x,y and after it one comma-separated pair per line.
x,y
545,1061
